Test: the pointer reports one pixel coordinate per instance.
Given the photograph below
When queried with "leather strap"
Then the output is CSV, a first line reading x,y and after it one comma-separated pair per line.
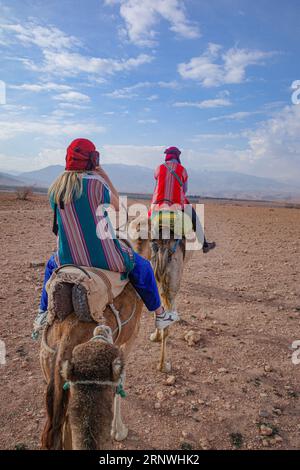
x,y
174,174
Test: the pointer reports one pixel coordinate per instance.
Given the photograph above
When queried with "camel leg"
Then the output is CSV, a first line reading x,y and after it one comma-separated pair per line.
x,y
155,337
164,366
67,436
119,431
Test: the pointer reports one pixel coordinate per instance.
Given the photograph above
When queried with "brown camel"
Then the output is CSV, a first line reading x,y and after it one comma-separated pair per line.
x,y
83,365
168,257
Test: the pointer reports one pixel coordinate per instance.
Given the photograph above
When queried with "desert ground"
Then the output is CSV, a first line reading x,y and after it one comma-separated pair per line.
x,y
236,388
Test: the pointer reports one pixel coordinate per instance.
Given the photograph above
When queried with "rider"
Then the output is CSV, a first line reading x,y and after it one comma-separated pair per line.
x,y
81,228
171,188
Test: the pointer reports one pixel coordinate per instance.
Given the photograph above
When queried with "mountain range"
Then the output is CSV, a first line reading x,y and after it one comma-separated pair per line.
x,y
138,179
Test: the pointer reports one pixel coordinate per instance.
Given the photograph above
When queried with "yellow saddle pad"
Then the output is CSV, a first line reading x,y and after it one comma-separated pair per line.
x,y
178,221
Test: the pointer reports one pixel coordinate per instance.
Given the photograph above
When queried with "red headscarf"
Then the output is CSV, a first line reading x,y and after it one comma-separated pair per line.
x,y
172,153
81,155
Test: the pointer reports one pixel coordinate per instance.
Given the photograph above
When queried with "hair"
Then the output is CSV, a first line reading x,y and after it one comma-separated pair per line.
x,y
66,187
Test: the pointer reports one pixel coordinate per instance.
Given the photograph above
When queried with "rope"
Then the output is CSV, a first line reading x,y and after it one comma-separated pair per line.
x,y
173,250
44,341
103,333
118,384
128,319
117,317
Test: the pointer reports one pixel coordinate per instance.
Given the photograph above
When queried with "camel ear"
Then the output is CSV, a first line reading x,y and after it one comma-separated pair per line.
x,y
117,368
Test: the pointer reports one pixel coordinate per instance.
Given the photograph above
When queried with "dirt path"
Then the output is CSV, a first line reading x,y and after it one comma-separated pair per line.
x,y
244,300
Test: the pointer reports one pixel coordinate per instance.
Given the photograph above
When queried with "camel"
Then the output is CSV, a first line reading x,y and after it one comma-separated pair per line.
x,y
168,256
84,368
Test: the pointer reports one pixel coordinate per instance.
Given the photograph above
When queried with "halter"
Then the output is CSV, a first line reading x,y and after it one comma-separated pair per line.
x,y
171,251
105,337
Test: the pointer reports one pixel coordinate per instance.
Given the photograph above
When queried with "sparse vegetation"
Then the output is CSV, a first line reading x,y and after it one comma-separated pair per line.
x,y
21,446
24,193
236,440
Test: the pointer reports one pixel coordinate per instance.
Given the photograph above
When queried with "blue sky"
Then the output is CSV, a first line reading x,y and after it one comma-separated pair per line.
x,y
211,77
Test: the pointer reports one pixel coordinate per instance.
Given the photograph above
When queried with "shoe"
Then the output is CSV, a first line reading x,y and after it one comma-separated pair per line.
x,y
207,246
166,318
39,323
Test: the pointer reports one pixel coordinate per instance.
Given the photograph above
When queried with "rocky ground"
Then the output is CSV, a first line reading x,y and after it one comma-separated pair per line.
x,y
235,386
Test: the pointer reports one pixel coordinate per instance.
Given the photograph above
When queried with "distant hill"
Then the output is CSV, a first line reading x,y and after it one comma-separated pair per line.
x,y
9,180
138,179
43,177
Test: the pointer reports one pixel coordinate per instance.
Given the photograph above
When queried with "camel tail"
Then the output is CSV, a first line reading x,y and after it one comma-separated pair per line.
x,y
56,407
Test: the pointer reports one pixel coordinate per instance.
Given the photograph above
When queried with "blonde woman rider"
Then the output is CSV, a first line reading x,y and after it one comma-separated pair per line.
x,y
81,231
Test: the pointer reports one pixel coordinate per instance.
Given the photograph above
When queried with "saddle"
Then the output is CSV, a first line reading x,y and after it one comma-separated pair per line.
x,y
83,290
176,221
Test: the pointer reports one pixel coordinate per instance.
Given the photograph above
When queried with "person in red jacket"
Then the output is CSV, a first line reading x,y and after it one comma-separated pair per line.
x,y
171,188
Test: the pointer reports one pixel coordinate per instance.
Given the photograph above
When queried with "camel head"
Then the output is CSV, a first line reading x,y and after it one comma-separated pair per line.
x,y
92,374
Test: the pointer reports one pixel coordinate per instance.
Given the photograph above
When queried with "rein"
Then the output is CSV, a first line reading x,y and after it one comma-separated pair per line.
x,y
171,250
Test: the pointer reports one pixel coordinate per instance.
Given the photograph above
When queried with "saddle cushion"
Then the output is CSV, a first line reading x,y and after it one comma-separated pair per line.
x,y
84,290
178,222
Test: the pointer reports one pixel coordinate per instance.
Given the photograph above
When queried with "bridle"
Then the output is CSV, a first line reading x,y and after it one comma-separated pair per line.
x,y
171,250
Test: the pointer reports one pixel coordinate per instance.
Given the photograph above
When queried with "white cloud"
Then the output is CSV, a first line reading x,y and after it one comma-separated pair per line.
x,y
60,56
41,87
50,156
171,84
147,121
45,37
66,105
73,96
45,157
15,108
206,104
274,148
217,136
141,18
130,91
271,150
152,98
121,94
72,63
238,116
215,68
46,127
143,155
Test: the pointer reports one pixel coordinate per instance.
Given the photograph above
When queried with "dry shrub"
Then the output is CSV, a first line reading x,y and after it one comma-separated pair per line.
x,y
24,193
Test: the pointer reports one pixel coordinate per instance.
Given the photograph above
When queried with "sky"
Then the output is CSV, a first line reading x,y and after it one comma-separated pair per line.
x,y
217,78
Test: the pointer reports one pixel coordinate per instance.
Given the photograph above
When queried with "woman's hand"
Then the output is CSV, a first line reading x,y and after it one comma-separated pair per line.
x,y
99,170
115,195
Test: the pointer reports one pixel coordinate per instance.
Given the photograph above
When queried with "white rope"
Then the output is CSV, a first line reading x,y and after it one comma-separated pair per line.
x,y
94,382
118,384
117,317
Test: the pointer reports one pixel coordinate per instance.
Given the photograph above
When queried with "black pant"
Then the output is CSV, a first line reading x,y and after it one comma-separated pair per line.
x,y
196,224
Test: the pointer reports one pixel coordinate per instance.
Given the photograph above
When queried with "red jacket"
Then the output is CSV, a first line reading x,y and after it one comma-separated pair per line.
x,y
168,190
